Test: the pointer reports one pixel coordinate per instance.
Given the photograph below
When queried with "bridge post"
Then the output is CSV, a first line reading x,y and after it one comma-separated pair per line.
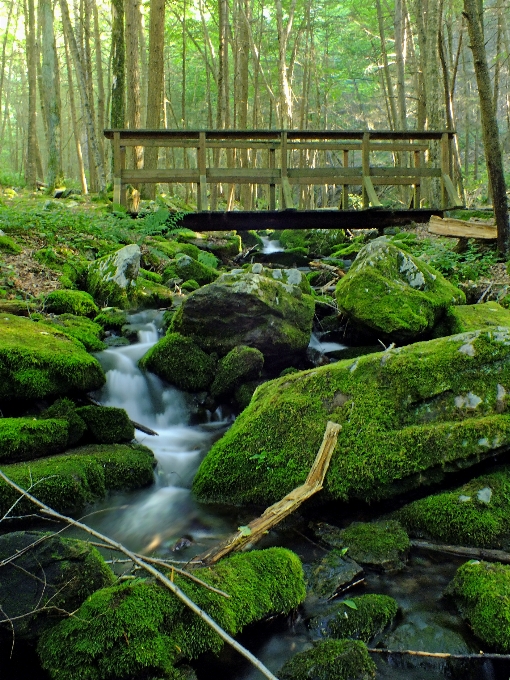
x,y
119,161
202,170
272,187
445,168
345,187
417,186
286,190
365,167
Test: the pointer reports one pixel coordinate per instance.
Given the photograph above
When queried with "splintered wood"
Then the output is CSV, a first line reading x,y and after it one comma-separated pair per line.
x,y
247,536
485,229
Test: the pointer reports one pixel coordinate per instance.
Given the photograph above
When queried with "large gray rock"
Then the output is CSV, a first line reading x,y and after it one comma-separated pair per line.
x,y
111,280
393,293
248,309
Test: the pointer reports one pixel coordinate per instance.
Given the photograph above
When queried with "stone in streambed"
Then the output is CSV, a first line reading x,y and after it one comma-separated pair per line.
x,y
330,660
111,280
240,365
325,577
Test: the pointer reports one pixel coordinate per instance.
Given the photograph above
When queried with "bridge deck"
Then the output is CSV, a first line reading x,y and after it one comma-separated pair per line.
x,y
288,164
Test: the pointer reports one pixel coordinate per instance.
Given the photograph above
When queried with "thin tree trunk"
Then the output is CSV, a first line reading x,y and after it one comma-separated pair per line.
x,y
400,60
118,112
30,166
134,118
100,80
50,95
490,129
386,68
4,50
74,119
283,76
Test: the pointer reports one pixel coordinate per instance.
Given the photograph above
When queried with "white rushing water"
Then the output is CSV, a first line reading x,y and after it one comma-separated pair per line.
x,y
270,245
325,347
156,517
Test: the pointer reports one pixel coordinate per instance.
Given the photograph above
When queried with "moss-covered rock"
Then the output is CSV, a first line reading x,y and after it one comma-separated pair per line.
x,y
107,424
111,280
325,577
393,293
179,361
330,660
359,618
291,277
27,438
190,286
65,409
53,577
248,309
477,513
140,629
482,594
171,248
240,365
187,268
111,318
37,361
68,482
408,415
382,545
463,318
75,302
223,244
151,294
80,328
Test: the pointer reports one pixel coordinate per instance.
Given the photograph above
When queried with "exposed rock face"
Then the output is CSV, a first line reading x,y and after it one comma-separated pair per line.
x,y
111,280
408,415
53,577
37,361
394,293
248,309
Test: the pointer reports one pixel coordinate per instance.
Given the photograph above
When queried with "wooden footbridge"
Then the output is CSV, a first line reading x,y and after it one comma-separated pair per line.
x,y
277,168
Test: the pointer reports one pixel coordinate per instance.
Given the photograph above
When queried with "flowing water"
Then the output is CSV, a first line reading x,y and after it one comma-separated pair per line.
x,y
271,245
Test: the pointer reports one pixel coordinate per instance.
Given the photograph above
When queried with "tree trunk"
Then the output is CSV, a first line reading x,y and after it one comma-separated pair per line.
x,y
30,165
118,113
82,85
400,59
490,129
387,76
50,95
283,79
134,118
74,120
100,81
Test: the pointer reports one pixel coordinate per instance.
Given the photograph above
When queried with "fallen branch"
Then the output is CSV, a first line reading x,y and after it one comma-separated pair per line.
x,y
475,553
45,509
438,655
247,536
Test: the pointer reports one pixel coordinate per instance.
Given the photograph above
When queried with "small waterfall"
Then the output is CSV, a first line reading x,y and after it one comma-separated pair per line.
x,y
270,245
155,517
324,347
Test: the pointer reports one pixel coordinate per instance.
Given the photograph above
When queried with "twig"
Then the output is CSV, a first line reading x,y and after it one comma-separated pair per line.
x,y
438,655
480,553
152,570
9,620
344,589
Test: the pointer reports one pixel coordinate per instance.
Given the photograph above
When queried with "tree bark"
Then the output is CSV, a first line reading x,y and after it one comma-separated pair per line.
x,y
30,165
118,113
134,118
490,129
74,120
50,94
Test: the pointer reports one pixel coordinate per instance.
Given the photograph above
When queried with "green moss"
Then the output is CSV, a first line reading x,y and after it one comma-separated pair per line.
x,y
180,362
80,328
245,392
111,318
187,268
482,594
65,409
293,238
9,245
240,365
141,629
111,279
70,302
150,276
68,482
151,294
464,318
190,285
408,415
465,515
171,248
369,616
26,438
37,361
330,660
380,544
107,424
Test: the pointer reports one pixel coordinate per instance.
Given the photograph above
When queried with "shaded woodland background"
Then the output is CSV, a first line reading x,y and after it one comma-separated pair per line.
x,y
71,68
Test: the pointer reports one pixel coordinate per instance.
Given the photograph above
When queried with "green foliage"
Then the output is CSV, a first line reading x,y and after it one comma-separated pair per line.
x,y
459,516
182,363
107,424
141,629
208,259
26,438
481,592
68,482
9,245
330,660
75,302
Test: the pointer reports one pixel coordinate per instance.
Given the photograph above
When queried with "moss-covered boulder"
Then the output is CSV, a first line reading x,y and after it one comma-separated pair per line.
x,y
291,277
179,361
65,409
37,362
139,630
240,365
359,618
27,438
111,280
325,577
463,318
477,513
186,268
80,328
107,424
51,577
381,545
171,248
69,481
75,302
482,593
248,309
408,415
223,244
111,318
393,293
151,294
330,660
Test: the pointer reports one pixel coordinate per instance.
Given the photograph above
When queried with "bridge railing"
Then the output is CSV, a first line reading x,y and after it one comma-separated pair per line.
x,y
280,159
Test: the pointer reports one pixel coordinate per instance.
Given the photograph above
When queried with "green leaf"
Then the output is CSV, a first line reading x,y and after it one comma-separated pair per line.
x,y
344,551
245,530
351,604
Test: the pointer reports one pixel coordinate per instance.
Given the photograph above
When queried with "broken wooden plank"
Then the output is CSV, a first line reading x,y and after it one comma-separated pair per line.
x,y
461,228
247,536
